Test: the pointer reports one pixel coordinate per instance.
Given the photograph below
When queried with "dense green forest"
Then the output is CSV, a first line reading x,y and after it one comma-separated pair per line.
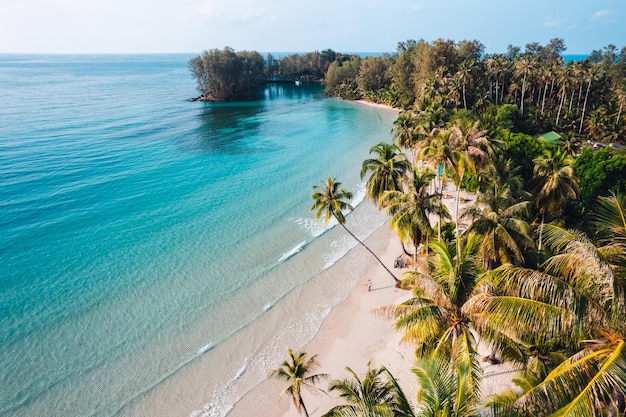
x,y
585,98
534,266
226,75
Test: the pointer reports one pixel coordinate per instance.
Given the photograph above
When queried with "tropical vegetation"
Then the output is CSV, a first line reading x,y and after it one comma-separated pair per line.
x,y
535,266
226,74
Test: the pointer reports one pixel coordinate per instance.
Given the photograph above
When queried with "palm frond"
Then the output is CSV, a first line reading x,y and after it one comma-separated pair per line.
x,y
533,321
421,322
401,405
582,385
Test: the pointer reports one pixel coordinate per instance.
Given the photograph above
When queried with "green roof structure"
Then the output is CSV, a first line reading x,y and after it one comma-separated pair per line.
x,y
551,137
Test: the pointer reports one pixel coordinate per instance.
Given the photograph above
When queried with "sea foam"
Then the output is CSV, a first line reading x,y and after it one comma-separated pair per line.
x,y
292,252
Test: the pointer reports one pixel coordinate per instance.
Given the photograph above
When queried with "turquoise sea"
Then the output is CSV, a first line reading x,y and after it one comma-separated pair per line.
x,y
158,256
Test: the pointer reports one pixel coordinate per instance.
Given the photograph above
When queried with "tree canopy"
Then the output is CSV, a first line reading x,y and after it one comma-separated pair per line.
x,y
225,75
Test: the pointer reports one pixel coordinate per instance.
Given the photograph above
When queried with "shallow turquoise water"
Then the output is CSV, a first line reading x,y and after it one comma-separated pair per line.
x,y
134,224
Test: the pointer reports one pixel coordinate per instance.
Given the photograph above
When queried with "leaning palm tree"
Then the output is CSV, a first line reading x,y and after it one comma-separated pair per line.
x,y
296,371
410,210
387,171
376,395
330,201
557,184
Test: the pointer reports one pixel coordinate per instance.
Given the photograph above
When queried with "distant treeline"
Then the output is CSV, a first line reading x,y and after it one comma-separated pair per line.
x,y
224,75
585,98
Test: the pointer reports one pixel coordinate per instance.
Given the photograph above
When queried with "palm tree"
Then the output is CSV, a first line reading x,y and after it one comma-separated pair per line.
x,y
376,395
610,237
404,129
442,389
473,148
455,93
620,96
499,220
591,73
543,82
435,319
539,366
522,68
387,170
564,78
296,371
443,157
557,183
430,115
410,210
573,299
465,76
597,125
500,173
330,201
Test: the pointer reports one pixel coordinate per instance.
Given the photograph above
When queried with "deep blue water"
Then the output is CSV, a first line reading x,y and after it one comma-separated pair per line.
x,y
134,223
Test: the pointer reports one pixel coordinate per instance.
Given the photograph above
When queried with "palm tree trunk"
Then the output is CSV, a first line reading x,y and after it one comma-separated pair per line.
x,y
523,91
580,94
373,254
543,101
464,101
440,181
439,222
496,91
541,231
558,114
582,118
619,113
571,102
306,412
456,215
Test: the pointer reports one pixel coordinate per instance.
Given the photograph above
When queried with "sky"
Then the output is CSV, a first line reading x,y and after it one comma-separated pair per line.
x,y
192,26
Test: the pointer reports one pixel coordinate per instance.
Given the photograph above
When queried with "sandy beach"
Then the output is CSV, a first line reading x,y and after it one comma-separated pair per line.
x,y
352,336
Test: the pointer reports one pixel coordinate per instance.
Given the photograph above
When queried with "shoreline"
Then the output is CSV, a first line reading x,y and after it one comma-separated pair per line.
x,y
352,336
378,105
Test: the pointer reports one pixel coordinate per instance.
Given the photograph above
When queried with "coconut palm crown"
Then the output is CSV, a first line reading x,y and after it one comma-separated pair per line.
x,y
387,171
297,372
330,201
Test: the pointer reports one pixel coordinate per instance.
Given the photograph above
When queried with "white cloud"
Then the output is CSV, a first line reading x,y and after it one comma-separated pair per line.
x,y
554,22
602,16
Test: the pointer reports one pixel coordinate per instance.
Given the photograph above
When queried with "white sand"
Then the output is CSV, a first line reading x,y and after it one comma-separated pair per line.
x,y
352,336
379,105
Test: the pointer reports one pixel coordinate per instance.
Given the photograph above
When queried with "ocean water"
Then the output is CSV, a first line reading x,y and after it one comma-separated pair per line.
x,y
158,256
